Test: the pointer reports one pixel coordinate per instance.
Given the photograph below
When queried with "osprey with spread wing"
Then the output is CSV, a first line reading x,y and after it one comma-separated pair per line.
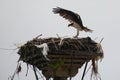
x,y
73,18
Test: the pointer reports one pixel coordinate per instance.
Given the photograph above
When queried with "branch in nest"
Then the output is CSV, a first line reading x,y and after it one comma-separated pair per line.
x,y
34,69
38,36
17,71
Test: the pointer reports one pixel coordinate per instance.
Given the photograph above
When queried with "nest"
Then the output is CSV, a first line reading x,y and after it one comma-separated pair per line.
x,y
60,55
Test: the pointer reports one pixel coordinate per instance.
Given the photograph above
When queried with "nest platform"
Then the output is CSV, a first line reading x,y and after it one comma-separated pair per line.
x,y
64,57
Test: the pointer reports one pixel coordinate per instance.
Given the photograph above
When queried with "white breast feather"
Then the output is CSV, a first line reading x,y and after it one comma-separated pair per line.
x,y
75,25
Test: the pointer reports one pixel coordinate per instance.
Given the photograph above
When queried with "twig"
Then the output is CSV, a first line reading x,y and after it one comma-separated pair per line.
x,y
27,69
54,44
101,40
61,42
80,43
58,36
18,69
7,49
40,74
34,69
84,70
38,36
88,69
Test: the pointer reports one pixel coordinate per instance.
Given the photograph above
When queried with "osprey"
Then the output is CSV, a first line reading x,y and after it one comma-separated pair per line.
x,y
73,18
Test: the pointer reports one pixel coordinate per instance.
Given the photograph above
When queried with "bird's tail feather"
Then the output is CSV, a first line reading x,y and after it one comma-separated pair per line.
x,y
87,30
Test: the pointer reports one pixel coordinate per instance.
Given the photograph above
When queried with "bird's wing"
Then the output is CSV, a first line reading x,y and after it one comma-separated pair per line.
x,y
67,14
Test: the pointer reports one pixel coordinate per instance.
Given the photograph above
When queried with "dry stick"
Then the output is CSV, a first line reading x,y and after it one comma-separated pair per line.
x,y
35,73
84,70
98,73
52,41
54,44
16,71
27,69
101,40
80,43
38,36
61,42
7,49
40,74
58,36
88,69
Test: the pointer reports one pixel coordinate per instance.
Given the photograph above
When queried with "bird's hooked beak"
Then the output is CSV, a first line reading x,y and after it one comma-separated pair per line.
x,y
70,24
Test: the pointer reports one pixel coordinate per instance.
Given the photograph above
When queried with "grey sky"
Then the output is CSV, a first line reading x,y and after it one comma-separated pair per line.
x,y
22,20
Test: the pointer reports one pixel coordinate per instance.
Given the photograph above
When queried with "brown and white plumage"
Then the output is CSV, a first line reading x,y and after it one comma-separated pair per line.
x,y
73,18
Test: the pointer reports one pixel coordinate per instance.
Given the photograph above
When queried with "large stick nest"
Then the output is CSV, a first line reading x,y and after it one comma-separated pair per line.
x,y
60,50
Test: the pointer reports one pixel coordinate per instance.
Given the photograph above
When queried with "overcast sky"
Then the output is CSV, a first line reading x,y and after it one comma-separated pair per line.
x,y
22,20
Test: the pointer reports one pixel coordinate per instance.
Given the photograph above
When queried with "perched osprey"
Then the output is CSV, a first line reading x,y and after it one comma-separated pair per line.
x,y
73,18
